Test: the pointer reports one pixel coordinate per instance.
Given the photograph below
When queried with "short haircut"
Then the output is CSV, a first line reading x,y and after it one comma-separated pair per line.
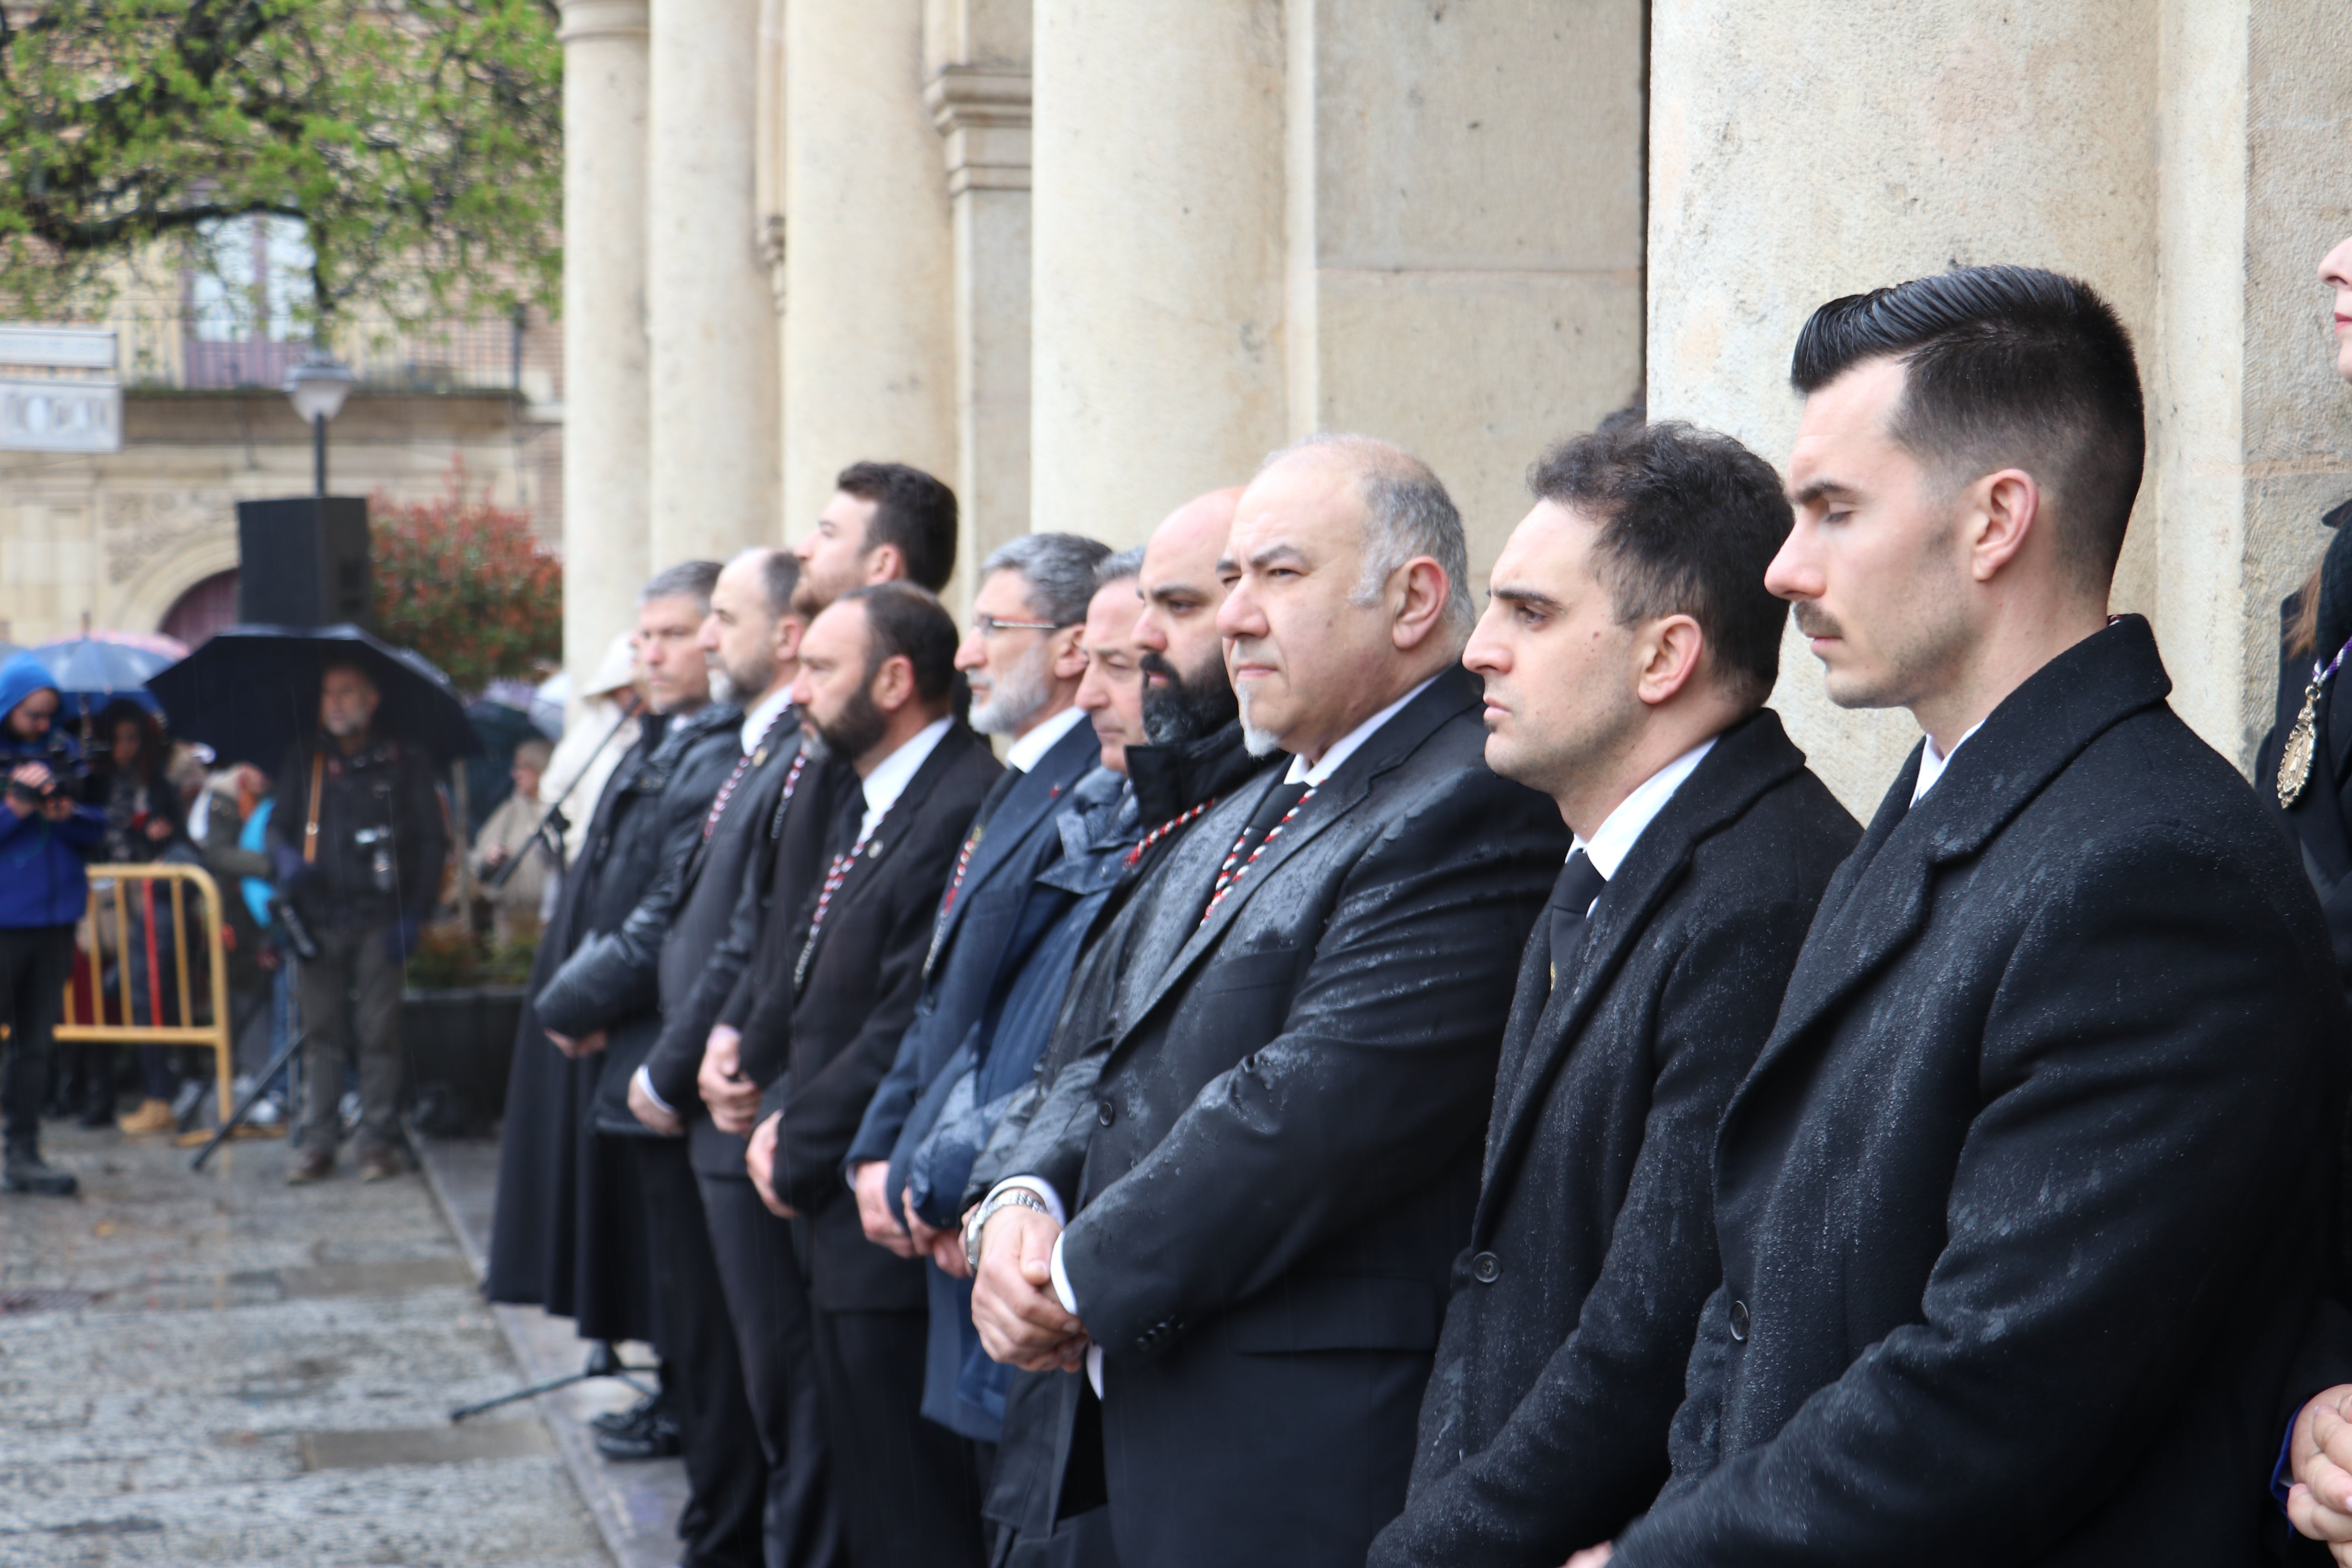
x,y
912,511
1688,520
533,752
2004,366
1057,568
1119,568
1407,514
350,662
905,621
780,574
686,580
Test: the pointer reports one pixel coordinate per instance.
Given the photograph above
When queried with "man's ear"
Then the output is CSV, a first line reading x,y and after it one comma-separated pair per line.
x,y
885,564
2004,510
789,631
1068,658
1667,654
893,686
1417,594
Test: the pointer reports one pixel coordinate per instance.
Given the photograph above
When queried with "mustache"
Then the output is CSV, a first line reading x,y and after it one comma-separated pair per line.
x,y
1814,621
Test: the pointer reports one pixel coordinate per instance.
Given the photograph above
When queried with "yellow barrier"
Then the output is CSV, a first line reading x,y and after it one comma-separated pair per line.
x,y
112,898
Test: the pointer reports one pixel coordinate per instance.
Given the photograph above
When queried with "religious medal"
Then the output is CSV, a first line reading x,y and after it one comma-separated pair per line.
x,y
2302,738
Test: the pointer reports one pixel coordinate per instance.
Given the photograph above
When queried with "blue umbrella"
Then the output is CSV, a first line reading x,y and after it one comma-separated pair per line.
x,y
90,671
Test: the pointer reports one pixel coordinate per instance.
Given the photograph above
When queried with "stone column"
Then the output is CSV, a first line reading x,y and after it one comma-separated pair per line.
x,y
1823,147
710,306
1156,305
869,269
978,95
605,438
1466,232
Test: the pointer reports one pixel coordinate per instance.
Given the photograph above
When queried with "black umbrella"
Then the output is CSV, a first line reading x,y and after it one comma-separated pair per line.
x,y
250,692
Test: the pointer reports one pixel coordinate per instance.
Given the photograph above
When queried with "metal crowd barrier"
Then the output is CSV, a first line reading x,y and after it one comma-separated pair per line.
x,y
124,901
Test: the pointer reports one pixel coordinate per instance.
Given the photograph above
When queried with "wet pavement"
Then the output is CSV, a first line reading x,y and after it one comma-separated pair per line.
x,y
216,1369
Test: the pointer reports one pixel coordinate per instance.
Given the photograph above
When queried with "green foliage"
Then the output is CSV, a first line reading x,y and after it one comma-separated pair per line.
x,y
419,140
467,586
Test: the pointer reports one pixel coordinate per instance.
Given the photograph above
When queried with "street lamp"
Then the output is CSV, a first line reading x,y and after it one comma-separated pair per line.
x,y
317,387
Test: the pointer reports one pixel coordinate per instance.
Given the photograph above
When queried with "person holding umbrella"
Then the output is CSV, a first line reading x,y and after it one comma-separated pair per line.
x,y
45,837
357,842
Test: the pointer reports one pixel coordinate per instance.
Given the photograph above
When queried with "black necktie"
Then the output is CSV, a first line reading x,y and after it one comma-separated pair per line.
x,y
1004,785
1580,883
846,819
1279,802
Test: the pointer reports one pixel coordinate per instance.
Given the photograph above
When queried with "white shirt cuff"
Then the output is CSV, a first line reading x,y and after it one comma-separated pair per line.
x,y
644,1080
1061,1280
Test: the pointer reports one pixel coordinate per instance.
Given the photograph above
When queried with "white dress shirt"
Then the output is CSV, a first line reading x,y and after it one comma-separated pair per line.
x,y
756,721
1622,828
1024,753
1931,766
1300,773
894,772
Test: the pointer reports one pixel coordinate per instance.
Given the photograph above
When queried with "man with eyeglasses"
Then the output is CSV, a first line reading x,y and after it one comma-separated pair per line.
x,y
1024,659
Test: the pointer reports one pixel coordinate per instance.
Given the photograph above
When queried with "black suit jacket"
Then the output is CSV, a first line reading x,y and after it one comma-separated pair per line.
x,y
1544,1428
708,945
2024,1204
855,993
1287,1148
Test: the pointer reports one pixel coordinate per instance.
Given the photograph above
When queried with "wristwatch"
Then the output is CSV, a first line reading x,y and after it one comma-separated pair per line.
x,y
1004,1197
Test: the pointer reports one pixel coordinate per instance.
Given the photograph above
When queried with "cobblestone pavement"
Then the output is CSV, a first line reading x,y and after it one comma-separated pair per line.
x,y
215,1369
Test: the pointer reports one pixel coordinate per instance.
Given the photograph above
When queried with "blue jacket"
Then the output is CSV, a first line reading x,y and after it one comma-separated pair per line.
x,y
42,882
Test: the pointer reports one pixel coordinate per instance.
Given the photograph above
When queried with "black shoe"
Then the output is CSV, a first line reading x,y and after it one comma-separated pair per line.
x,y
632,1420
659,1440
27,1172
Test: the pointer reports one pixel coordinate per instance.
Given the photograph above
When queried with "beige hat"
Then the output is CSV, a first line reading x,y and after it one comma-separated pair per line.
x,y
616,670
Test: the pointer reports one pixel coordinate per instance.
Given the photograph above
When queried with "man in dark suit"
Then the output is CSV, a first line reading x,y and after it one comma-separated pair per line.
x,y
771,1459
1286,1150
2023,1206
1627,650
878,670
1024,659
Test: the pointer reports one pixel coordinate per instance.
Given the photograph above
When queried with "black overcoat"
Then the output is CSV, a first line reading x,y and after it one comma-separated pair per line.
x,y
564,1234
2025,1203
1561,1363
851,993
1286,1154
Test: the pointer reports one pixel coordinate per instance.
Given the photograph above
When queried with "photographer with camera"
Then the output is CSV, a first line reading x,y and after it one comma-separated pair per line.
x,y
45,837
357,843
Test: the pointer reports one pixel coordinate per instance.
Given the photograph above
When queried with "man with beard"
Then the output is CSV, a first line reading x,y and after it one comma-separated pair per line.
x,y
841,982
1194,755
664,949
1022,660
887,522
566,1232
1265,1206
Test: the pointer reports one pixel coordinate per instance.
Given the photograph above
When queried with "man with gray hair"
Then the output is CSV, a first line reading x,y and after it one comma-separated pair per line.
x,y
1023,659
568,1232
1246,1227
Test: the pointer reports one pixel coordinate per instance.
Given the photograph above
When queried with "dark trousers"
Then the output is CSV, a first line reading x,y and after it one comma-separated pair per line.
x,y
35,961
911,1488
726,1477
350,1003
768,1303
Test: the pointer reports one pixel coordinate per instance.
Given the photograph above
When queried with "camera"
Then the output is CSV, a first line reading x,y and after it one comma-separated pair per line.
x,y
65,763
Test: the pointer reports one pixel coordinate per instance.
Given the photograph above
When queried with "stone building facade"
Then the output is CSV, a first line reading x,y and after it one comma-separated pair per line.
x,y
1091,259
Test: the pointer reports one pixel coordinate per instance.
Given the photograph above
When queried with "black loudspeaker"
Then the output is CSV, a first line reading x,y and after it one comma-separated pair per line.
x,y
304,563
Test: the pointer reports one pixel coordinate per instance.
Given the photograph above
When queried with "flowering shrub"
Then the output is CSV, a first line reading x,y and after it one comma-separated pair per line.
x,y
466,584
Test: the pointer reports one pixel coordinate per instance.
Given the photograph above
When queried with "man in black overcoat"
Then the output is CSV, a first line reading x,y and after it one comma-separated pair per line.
x,y
565,1233
838,987
1284,1156
2024,1206
1627,651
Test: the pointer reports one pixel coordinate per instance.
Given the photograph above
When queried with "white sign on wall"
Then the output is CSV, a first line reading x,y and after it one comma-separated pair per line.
x,y
60,416
57,348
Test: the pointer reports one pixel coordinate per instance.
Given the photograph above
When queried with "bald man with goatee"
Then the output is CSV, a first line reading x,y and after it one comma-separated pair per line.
x,y
1249,1246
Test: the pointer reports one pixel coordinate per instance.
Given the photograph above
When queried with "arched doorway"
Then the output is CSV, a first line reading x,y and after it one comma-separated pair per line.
x,y
207,607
